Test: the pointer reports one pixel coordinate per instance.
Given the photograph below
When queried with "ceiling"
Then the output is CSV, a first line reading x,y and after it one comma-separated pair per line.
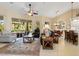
x,y
49,9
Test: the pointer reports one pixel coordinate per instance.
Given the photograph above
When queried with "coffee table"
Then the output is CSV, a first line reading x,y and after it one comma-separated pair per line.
x,y
28,38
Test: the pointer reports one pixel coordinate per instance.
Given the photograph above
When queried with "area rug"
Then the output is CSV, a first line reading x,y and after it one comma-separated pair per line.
x,y
20,48
3,45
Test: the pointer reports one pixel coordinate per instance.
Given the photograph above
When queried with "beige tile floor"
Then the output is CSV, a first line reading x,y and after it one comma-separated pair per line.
x,y
62,49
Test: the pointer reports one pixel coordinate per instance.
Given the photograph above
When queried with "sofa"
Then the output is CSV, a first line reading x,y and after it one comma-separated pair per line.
x,y
7,37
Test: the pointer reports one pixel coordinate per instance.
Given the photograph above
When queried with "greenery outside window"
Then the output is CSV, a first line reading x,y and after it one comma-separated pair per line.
x,y
1,24
20,25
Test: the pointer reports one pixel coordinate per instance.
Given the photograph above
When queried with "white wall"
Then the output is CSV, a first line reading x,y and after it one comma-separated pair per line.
x,y
75,24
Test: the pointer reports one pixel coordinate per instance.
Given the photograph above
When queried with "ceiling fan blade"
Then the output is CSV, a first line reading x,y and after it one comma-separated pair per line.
x,y
35,13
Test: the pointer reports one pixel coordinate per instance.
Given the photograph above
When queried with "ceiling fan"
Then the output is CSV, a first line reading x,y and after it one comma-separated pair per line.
x,y
31,12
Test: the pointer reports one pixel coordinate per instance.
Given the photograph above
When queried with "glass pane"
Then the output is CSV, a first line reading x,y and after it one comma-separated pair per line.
x,y
29,26
21,25
15,25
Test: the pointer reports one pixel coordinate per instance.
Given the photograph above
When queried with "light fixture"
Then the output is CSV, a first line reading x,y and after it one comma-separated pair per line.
x,y
72,10
31,12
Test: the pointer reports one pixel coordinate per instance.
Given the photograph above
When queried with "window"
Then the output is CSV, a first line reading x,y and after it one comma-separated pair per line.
x,y
1,24
21,25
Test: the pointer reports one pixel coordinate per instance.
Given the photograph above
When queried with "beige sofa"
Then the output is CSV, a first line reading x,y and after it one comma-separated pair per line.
x,y
7,37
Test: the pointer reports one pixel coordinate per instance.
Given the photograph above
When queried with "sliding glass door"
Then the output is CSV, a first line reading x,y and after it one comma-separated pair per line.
x,y
20,25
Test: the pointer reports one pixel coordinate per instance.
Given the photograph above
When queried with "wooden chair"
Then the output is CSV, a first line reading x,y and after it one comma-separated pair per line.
x,y
71,37
55,38
48,43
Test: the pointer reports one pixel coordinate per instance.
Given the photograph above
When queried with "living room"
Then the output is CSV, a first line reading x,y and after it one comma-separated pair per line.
x,y
19,18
